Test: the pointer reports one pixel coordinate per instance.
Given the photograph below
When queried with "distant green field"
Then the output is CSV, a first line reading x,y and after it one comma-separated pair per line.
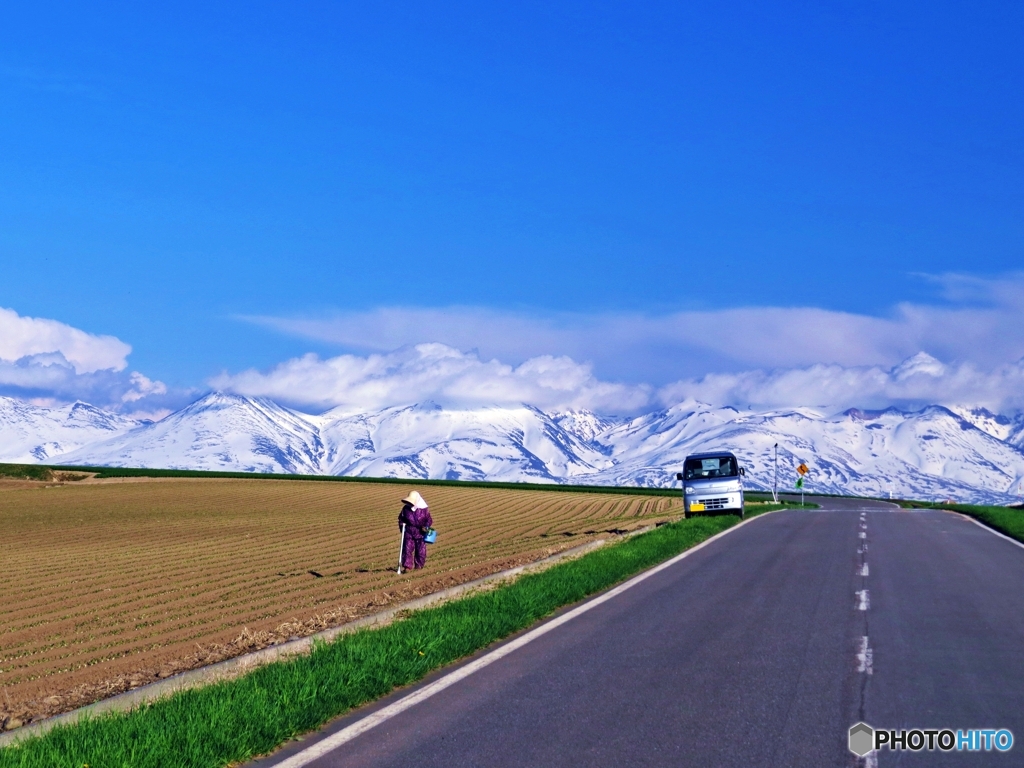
x,y
106,472
44,472
26,471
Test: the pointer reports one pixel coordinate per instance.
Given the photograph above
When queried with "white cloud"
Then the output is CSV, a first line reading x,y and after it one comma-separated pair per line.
x,y
433,372
51,378
48,361
452,378
763,356
769,357
980,322
919,380
142,386
23,337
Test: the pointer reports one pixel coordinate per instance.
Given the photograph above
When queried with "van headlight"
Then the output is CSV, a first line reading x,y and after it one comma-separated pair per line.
x,y
691,490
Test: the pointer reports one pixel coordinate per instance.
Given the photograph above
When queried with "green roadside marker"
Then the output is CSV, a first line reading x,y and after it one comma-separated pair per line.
x,y
801,470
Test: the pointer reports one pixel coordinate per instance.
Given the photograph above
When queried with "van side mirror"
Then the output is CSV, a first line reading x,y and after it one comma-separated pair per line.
x,y
743,471
679,475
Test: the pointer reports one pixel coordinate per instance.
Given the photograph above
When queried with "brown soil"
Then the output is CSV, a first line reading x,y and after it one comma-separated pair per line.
x,y
110,585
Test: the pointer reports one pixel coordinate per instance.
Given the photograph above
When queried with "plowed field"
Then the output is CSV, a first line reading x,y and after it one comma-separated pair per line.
x,y
108,585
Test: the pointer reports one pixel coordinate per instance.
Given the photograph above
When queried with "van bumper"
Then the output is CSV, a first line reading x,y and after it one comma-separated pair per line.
x,y
714,502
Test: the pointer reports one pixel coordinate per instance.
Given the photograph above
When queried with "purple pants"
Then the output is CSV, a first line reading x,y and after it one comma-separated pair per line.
x,y
414,554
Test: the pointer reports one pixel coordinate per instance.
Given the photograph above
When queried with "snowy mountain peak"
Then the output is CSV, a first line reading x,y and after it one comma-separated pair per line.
x,y
220,431
921,364
425,440
31,433
1000,427
220,400
582,424
858,414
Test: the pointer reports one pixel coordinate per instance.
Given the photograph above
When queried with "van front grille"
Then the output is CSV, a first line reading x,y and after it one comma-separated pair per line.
x,y
716,503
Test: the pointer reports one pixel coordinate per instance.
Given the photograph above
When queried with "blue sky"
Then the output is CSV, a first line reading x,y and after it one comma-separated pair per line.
x,y
230,187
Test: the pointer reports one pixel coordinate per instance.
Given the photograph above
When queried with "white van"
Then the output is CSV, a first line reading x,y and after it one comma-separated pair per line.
x,y
712,482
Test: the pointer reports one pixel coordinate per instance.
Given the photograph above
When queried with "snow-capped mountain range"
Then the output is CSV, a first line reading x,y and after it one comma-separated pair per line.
x,y
35,435
967,454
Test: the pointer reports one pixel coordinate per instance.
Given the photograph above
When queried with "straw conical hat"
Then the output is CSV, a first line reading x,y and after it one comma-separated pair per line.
x,y
416,500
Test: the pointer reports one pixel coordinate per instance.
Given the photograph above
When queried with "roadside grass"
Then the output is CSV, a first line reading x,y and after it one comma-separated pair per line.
x,y
1006,520
238,720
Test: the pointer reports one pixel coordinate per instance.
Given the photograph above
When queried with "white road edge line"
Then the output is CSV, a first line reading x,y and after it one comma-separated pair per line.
x,y
990,530
332,742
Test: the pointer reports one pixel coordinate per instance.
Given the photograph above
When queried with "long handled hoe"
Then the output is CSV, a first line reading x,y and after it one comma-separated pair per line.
x,y
401,549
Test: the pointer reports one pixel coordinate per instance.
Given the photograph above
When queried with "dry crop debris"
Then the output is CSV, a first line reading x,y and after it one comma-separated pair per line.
x,y
110,585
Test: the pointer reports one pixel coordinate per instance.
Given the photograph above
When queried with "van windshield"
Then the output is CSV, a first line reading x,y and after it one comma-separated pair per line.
x,y
717,466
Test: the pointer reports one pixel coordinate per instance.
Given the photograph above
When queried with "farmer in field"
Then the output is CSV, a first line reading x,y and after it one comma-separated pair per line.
x,y
416,517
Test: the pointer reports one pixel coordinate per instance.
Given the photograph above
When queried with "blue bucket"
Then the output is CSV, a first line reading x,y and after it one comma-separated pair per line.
x,y
431,536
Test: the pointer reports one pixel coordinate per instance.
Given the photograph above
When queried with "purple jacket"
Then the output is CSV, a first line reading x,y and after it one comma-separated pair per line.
x,y
417,521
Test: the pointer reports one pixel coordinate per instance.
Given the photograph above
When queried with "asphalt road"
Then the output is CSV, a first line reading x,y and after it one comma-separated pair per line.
x,y
749,652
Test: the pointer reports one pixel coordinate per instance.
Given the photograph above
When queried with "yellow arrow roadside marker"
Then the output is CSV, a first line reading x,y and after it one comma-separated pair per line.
x,y
802,470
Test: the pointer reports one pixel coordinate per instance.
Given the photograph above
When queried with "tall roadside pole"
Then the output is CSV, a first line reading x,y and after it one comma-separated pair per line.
x,y
802,470
775,483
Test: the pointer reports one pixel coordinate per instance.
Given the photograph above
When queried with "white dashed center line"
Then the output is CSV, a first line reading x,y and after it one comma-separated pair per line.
x,y
865,657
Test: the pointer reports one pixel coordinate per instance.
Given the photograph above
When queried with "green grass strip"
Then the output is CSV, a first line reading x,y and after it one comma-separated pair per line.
x,y
240,719
45,472
1006,520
